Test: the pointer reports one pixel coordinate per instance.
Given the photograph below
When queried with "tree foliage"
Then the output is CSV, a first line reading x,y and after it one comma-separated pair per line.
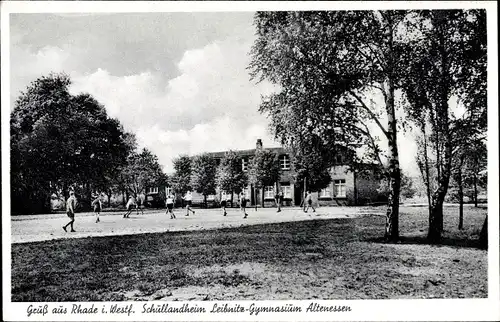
x,y
204,171
264,169
312,165
181,180
408,189
230,175
142,171
449,60
325,65
59,141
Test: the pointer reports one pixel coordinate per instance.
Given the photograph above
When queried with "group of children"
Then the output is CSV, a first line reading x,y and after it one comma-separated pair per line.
x,y
170,201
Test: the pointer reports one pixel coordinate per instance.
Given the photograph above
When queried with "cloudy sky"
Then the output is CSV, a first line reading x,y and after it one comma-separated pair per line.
x,y
176,80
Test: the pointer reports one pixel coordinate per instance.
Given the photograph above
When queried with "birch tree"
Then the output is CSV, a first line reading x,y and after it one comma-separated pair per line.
x,y
326,65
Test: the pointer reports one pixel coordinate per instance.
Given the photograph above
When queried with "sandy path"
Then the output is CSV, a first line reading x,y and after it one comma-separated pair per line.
x,y
46,227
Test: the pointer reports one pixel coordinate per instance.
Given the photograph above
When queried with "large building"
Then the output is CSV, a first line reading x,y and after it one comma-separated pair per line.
x,y
346,188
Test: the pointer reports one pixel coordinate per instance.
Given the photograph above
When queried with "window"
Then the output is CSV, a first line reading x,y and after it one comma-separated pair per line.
x,y
210,197
287,190
325,193
284,162
244,164
168,191
153,190
340,191
269,192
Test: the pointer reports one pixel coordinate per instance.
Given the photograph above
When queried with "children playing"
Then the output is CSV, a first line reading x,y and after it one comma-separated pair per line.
x,y
70,210
97,205
131,205
170,206
243,204
308,202
223,203
188,198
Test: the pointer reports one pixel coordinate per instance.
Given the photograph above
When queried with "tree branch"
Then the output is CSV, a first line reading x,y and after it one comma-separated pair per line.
x,y
372,141
370,113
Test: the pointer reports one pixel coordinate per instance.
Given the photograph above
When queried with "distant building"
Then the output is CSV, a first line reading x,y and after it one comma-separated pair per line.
x,y
346,188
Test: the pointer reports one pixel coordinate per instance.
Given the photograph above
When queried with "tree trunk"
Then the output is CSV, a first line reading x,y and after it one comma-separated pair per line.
x,y
64,190
205,200
483,236
232,195
427,171
392,214
255,197
89,195
262,196
475,190
460,199
442,123
109,198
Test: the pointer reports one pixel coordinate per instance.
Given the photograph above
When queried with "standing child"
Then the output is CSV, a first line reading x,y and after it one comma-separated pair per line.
x,y
277,198
243,204
188,197
308,201
223,203
131,205
70,210
97,204
170,206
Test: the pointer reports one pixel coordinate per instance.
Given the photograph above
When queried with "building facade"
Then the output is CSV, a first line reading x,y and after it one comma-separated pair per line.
x,y
346,188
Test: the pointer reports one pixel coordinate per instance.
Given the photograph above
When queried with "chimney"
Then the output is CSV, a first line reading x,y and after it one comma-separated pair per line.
x,y
258,145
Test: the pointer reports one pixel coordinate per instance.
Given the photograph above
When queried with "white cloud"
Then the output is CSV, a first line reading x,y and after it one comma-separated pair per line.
x,y
210,106
27,65
220,135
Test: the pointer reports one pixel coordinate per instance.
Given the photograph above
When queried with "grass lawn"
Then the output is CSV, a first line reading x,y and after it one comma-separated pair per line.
x,y
315,259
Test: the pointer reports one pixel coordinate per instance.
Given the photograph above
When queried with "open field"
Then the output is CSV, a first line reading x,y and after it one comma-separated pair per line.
x,y
46,227
338,258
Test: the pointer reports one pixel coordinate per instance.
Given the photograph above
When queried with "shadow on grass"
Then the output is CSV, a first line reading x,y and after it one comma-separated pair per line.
x,y
422,240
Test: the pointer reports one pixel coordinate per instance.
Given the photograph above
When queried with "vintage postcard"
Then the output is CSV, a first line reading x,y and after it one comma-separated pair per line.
x,y
222,161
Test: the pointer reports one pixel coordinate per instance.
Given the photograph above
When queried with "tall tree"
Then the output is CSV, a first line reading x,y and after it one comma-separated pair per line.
x,y
264,170
326,64
312,165
451,52
204,171
59,141
143,170
230,175
181,180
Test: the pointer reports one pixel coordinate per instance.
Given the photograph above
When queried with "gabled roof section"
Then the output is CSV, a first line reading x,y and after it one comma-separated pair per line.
x,y
247,153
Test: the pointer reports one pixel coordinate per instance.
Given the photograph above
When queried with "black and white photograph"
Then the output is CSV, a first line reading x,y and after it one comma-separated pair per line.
x,y
256,163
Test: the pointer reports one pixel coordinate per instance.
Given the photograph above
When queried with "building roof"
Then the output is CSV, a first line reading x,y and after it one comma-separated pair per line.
x,y
249,152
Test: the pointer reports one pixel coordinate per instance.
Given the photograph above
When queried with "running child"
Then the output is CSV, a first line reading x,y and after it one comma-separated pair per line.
x,y
131,205
243,204
223,203
308,201
188,197
97,205
70,210
170,206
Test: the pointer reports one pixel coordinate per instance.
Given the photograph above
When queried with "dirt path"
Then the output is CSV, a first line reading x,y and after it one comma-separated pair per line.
x,y
47,227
